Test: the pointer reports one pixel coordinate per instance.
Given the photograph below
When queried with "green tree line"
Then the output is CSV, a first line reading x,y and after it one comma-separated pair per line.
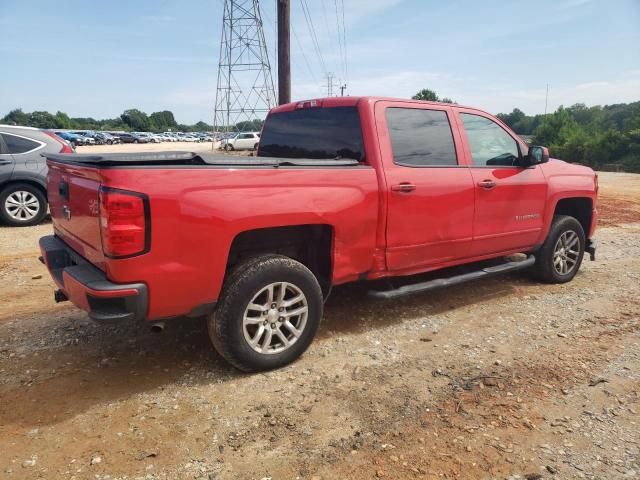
x,y
595,136
131,120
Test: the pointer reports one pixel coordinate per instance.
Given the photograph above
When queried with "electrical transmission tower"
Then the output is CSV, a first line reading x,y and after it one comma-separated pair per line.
x,y
245,87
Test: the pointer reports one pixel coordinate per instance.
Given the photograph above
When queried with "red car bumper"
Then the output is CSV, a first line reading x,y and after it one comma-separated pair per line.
x,y
87,286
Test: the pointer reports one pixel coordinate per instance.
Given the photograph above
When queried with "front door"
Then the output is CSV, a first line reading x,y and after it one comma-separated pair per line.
x,y
430,194
509,198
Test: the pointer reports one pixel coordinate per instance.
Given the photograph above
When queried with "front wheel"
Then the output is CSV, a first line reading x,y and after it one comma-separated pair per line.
x,y
228,148
22,205
559,258
268,313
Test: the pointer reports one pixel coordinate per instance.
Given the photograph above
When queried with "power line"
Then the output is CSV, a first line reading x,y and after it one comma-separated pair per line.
x,y
312,31
338,31
293,30
326,24
295,35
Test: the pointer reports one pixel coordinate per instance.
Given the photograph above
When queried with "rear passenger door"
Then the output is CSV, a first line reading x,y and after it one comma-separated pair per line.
x,y
430,192
6,161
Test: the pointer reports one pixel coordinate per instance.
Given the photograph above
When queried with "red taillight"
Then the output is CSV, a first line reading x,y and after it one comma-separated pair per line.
x,y
66,148
124,223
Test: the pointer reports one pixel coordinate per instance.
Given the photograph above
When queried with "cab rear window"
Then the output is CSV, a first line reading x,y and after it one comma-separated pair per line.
x,y
318,133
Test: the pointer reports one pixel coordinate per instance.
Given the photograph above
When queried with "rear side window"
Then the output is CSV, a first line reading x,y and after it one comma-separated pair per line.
x,y
421,137
319,133
17,144
490,145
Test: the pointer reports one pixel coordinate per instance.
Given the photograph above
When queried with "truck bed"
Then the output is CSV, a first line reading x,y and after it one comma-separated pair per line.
x,y
198,204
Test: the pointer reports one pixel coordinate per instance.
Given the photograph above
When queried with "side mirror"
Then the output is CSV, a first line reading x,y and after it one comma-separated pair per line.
x,y
537,155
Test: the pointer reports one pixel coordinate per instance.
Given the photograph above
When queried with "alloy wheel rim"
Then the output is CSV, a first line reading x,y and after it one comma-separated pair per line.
x,y
275,318
22,205
566,252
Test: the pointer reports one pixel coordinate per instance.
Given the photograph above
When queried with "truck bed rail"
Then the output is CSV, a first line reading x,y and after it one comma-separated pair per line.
x,y
191,158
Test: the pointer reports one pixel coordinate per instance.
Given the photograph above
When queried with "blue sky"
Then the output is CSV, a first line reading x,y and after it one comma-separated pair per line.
x,y
91,58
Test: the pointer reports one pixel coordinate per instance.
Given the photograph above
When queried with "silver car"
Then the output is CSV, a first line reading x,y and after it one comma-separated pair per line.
x,y
23,173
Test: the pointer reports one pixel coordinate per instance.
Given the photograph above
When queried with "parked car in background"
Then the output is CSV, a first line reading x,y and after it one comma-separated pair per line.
x,y
23,173
151,138
72,138
133,138
170,136
243,141
188,137
106,138
86,138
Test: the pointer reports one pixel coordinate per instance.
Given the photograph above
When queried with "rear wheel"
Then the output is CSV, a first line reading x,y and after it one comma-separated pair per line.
x,y
22,205
268,313
228,147
560,256
255,147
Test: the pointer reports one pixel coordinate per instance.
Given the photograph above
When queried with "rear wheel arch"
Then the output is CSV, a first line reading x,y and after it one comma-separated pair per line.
x,y
309,244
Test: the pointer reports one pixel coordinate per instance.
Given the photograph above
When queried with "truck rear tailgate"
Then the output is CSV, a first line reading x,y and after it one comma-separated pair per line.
x,y
73,193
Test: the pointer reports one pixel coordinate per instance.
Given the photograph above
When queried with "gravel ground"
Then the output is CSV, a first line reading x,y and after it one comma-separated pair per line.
x,y
504,378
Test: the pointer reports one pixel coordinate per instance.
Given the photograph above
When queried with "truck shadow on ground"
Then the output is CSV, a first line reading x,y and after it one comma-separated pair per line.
x,y
63,366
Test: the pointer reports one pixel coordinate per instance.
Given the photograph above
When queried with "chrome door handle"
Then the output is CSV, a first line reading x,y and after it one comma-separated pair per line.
x,y
487,184
404,187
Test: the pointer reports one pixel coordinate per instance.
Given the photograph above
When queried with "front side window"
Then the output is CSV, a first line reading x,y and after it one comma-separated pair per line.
x,y
318,133
421,137
16,145
490,145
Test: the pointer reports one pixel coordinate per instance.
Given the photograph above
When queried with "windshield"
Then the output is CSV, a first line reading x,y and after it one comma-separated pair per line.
x,y
318,133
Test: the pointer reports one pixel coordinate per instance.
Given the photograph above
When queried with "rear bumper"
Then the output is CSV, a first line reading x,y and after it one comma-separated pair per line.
x,y
87,286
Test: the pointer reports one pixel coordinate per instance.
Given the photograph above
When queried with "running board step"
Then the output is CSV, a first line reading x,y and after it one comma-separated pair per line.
x,y
447,282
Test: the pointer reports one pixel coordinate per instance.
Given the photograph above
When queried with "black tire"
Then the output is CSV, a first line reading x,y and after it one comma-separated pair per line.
x,y
135,141
22,187
244,282
544,268
255,147
228,148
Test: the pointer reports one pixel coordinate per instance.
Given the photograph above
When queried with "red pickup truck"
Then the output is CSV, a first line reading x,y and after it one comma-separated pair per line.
x,y
340,190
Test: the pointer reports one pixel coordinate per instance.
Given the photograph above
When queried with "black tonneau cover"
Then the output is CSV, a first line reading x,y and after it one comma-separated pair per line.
x,y
190,158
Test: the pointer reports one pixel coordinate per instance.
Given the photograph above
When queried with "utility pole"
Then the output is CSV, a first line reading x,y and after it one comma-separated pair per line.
x,y
284,52
342,88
